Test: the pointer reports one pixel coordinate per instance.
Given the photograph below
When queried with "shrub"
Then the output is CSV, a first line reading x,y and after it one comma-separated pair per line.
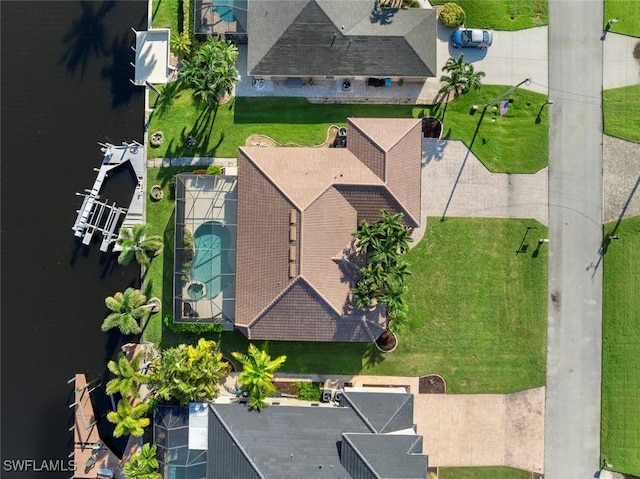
x,y
415,4
192,328
309,391
214,170
200,172
452,15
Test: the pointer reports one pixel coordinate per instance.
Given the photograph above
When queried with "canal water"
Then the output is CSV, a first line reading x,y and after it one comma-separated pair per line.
x,y
64,86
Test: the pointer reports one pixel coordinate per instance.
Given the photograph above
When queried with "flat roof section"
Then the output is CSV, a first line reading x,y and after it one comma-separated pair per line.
x,y
152,56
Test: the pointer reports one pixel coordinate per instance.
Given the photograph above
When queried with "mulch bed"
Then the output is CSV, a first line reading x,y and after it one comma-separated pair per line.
x,y
432,384
431,127
287,387
387,341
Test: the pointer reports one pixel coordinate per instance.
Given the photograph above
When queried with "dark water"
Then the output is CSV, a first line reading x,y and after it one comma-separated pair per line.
x,y
64,86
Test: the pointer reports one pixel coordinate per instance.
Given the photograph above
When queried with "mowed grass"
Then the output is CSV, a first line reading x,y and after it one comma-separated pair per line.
x,y
158,280
515,143
627,12
503,14
477,314
482,473
167,14
622,112
620,349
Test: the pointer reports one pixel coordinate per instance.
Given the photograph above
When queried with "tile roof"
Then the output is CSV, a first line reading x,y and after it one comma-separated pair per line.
x,y
341,38
297,210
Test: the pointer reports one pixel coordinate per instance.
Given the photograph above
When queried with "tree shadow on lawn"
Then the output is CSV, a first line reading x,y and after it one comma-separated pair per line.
x,y
200,134
169,94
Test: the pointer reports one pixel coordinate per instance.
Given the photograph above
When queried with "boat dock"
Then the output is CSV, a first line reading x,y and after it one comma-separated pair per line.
x,y
92,459
97,215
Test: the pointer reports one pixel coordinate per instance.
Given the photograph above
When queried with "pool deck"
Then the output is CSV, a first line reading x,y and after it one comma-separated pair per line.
x,y
211,198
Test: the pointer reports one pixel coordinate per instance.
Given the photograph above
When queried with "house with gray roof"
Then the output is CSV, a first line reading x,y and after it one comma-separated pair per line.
x,y
369,435
327,39
296,258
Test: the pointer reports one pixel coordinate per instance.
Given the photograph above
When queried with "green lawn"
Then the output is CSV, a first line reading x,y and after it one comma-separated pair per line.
x,y
167,14
477,314
503,14
628,13
482,473
620,347
622,112
515,143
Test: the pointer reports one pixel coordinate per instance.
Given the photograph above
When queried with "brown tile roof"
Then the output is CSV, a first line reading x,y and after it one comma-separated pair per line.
x,y
297,208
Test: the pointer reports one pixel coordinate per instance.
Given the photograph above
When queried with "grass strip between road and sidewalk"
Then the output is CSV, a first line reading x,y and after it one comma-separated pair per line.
x,y
494,472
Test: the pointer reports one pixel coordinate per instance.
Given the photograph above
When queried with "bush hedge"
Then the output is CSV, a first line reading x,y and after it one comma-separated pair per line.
x,y
452,15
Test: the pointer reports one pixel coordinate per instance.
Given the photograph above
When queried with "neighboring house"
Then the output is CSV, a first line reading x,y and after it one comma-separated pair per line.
x,y
370,435
296,260
329,39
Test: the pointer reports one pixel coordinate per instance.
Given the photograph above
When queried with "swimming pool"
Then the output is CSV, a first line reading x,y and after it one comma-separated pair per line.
x,y
211,262
225,10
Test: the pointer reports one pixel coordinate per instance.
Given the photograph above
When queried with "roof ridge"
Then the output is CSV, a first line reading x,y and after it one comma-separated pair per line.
x,y
273,301
360,455
238,444
392,417
268,177
360,414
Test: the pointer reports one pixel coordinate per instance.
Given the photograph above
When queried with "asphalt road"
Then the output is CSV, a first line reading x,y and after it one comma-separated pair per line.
x,y
572,422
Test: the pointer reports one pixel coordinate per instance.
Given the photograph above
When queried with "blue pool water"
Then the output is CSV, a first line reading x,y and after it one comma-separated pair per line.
x,y
225,10
211,263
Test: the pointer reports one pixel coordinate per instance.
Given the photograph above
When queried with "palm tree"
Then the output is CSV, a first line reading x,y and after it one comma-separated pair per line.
x,y
136,244
461,76
257,374
129,419
181,44
189,373
128,309
211,71
128,376
472,78
143,464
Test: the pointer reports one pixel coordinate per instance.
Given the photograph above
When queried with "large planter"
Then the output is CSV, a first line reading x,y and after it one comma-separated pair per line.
x,y
387,342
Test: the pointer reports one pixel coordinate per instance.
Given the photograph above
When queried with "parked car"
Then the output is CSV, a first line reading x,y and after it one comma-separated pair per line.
x,y
471,38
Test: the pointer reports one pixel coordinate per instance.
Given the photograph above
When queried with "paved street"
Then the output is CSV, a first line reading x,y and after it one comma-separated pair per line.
x,y
574,349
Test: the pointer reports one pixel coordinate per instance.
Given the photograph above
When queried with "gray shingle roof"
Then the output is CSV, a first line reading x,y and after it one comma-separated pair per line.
x,y
296,441
383,456
384,412
340,38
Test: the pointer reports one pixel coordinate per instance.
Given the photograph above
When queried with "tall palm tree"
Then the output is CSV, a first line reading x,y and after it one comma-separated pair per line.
x,y
257,374
128,309
136,244
129,419
128,376
143,464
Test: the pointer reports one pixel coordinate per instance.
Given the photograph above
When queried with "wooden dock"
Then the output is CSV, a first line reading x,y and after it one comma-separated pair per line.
x,y
92,458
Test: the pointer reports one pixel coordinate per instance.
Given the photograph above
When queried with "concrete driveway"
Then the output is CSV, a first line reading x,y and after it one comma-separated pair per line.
x,y
483,429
